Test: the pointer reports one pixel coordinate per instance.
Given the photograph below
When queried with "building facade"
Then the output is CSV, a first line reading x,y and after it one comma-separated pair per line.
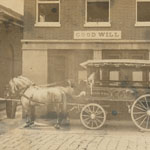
x,y
61,34
11,33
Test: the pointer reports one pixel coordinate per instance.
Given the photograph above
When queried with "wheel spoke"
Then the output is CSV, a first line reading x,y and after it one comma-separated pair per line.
x,y
85,115
87,121
98,120
96,110
147,123
87,111
95,122
139,108
93,108
140,117
99,117
136,113
99,113
92,123
144,107
143,121
146,102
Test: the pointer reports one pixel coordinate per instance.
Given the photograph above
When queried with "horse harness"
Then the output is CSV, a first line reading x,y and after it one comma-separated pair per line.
x,y
29,98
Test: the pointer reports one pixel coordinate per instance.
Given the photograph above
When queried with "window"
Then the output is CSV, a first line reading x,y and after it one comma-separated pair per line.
x,y
114,75
97,13
142,13
48,13
137,76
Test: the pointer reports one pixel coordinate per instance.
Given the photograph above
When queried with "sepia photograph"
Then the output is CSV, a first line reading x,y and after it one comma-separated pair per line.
x,y
74,74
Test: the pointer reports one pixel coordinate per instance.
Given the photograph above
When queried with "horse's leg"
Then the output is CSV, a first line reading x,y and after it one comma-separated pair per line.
x,y
57,125
32,114
27,117
65,113
27,109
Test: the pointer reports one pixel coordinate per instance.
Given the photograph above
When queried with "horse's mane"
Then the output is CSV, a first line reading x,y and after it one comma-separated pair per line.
x,y
20,82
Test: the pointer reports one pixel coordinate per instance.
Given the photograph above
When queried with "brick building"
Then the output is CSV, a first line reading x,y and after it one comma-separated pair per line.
x,y
60,34
11,33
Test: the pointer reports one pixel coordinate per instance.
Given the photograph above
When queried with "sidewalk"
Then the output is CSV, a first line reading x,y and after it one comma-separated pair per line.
x,y
6,124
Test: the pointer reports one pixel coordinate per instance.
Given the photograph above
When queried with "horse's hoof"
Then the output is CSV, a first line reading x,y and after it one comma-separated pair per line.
x,y
26,125
57,126
66,123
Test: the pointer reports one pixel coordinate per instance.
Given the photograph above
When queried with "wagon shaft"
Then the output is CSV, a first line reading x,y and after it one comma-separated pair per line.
x,y
5,99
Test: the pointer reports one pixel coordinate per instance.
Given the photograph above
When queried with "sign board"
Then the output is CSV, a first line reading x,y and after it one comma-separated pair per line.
x,y
97,35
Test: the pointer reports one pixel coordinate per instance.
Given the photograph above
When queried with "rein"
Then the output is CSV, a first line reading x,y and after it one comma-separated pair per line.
x,y
30,99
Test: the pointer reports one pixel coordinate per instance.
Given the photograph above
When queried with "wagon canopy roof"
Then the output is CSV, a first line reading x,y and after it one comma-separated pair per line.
x,y
116,63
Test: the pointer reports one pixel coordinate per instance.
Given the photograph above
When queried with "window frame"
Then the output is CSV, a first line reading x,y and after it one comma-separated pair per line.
x,y
141,23
96,24
47,24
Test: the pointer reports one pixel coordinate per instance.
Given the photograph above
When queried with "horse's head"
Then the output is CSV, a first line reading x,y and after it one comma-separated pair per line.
x,y
68,87
17,85
10,89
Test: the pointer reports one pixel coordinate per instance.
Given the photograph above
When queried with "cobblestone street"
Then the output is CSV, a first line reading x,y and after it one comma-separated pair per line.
x,y
34,139
114,136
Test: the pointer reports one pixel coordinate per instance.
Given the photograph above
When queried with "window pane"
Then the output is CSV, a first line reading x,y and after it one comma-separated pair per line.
x,y
48,12
137,76
143,11
97,11
114,75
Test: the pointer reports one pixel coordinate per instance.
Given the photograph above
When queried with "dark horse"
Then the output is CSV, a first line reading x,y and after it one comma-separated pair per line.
x,y
32,95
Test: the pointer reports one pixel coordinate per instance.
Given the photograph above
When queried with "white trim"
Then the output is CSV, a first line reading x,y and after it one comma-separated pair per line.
x,y
85,41
96,24
137,23
12,15
14,23
142,0
47,24
47,2
98,0
136,12
142,24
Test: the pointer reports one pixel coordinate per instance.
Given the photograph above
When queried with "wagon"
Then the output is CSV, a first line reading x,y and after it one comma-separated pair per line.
x,y
111,81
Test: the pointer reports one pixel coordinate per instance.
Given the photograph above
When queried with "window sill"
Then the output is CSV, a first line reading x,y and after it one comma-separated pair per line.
x,y
47,24
142,24
97,24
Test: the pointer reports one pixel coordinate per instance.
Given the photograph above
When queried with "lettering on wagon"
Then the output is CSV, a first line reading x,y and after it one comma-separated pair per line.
x,y
97,35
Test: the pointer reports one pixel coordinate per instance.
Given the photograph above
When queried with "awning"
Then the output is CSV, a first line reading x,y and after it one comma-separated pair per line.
x,y
116,63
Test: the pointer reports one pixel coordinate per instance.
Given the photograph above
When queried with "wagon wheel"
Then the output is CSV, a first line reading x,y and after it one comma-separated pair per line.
x,y
140,112
92,116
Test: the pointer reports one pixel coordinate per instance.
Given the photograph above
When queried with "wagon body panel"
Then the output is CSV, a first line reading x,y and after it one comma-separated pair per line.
x,y
116,93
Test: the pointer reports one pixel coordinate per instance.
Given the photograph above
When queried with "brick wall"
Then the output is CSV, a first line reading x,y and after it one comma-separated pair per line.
x,y
122,16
